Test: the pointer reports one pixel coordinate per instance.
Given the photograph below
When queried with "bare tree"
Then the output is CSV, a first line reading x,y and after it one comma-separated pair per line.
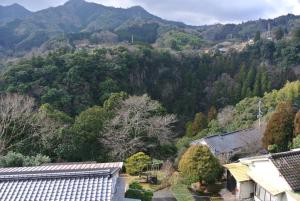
x,y
19,122
226,115
136,120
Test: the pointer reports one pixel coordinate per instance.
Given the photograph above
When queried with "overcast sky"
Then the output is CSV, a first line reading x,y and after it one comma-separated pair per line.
x,y
194,12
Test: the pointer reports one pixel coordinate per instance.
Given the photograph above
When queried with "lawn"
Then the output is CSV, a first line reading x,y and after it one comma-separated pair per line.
x,y
181,192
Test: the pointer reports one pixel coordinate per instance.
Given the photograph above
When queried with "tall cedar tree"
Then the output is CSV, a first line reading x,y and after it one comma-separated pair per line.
x,y
279,129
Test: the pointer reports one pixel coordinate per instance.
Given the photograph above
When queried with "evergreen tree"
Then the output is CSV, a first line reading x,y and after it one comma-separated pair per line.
x,y
257,85
257,36
279,129
198,164
279,33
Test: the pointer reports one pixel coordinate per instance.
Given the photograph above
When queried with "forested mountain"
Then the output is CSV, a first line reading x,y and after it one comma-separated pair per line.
x,y
12,12
79,24
85,19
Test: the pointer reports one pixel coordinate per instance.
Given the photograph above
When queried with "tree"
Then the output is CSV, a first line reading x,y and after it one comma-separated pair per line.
x,y
212,113
296,142
198,164
199,123
21,127
136,191
257,36
82,141
139,124
297,124
136,163
279,33
279,129
12,159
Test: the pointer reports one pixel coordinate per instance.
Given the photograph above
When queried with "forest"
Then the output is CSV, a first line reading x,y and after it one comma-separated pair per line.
x,y
82,93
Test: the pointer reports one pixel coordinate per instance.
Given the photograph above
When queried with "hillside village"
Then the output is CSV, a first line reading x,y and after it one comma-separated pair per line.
x,y
99,103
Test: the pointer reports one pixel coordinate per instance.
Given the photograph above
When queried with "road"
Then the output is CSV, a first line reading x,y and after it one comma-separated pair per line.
x,y
163,195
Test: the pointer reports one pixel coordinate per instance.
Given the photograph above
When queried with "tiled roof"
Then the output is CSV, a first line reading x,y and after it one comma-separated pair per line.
x,y
228,142
62,167
67,182
288,164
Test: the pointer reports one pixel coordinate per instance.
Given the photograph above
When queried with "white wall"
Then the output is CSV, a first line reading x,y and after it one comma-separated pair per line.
x,y
246,189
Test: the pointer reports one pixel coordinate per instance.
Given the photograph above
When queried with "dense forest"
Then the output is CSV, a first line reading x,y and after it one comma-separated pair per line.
x,y
82,93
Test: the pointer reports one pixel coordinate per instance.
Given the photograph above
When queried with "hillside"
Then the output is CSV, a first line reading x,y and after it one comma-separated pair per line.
x,y
12,12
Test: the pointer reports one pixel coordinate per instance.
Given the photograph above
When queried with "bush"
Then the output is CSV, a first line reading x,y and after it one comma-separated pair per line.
x,y
198,164
136,191
296,142
13,159
136,163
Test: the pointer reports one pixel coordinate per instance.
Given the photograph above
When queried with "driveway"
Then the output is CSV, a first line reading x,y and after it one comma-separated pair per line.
x,y
163,195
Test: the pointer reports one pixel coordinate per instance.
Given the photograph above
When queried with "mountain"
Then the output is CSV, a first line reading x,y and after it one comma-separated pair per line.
x,y
12,12
77,17
78,24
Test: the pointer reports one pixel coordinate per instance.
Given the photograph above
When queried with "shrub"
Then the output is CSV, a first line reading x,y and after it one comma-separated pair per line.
x,y
199,165
136,191
12,159
136,163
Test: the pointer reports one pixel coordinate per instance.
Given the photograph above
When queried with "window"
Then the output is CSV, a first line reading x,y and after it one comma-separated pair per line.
x,y
263,195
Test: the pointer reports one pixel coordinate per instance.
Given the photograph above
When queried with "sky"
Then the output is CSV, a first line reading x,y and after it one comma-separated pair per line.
x,y
192,12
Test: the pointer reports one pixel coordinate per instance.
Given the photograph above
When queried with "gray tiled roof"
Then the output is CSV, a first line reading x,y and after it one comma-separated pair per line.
x,y
232,141
288,164
57,184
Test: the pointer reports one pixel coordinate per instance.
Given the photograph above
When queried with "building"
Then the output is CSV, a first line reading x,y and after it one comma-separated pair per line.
x,y
231,146
272,177
62,182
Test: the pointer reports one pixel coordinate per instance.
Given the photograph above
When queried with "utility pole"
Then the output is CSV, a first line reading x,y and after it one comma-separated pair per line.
x,y
260,113
132,39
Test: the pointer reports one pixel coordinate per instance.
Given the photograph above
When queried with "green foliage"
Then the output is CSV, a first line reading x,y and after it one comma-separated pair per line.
x,y
257,36
296,142
56,114
199,165
178,40
297,124
107,87
113,102
136,191
199,123
279,33
81,141
279,129
136,163
12,159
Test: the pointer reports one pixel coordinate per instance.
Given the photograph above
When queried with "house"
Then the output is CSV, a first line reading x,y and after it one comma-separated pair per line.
x,y
62,182
272,177
230,146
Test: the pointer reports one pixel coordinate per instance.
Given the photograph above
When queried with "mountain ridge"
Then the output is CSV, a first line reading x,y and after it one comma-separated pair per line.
x,y
96,23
